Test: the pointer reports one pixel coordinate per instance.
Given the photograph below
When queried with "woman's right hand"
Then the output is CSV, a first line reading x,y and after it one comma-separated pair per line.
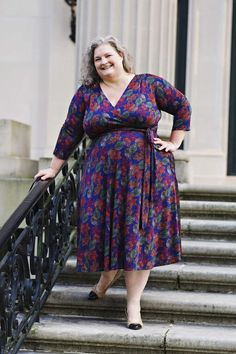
x,y
45,174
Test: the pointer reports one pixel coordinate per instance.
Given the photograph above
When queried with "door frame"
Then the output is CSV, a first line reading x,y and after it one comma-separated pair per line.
x,y
231,163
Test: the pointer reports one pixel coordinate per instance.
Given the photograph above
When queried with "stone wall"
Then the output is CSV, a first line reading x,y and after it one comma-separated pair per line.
x,y
16,167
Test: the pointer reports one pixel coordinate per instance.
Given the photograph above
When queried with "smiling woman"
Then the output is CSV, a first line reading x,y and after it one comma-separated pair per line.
x,y
128,207
109,66
108,62
88,71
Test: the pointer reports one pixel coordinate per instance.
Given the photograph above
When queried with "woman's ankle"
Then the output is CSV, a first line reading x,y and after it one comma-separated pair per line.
x,y
133,311
105,279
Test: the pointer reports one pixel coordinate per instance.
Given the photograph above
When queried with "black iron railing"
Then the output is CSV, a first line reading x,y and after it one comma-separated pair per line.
x,y
35,243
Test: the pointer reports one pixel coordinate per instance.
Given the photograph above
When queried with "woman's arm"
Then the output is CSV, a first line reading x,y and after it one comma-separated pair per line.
x,y
171,100
52,171
69,137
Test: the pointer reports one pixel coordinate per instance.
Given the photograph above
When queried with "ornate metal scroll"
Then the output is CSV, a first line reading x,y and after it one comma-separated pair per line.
x,y
35,243
72,4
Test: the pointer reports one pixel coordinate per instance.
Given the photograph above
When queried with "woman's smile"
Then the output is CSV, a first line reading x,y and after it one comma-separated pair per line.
x,y
107,61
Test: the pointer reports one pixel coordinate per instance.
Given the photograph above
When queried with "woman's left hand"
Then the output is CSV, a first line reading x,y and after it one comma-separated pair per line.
x,y
165,145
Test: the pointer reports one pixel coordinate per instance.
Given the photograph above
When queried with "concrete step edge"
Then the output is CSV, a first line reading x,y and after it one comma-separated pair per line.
x,y
208,207
178,276
209,226
180,271
153,338
100,335
152,300
190,191
209,248
189,272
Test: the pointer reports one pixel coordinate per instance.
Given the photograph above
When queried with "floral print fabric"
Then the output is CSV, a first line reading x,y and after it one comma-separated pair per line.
x,y
128,207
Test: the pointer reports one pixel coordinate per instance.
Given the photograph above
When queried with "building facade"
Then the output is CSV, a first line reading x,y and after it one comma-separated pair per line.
x,y
188,42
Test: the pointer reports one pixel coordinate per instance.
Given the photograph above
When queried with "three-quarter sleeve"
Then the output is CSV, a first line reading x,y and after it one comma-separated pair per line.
x,y
172,101
72,130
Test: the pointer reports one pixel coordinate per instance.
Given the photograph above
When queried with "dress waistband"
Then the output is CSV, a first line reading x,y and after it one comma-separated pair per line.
x,y
149,132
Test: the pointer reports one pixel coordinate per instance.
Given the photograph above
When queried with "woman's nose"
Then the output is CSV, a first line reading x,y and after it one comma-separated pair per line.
x,y
103,60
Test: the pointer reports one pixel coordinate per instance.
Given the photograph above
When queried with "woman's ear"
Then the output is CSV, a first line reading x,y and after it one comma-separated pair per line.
x,y
121,54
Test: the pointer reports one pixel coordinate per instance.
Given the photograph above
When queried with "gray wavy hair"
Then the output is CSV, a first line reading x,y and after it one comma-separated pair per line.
x,y
89,74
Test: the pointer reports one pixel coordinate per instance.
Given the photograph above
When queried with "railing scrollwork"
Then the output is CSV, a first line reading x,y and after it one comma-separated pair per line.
x,y
35,243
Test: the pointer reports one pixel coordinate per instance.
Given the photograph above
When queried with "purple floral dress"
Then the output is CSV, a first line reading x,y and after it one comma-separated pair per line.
x,y
128,207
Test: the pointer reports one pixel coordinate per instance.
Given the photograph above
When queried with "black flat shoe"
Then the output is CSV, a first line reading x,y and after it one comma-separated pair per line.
x,y
92,295
95,294
136,325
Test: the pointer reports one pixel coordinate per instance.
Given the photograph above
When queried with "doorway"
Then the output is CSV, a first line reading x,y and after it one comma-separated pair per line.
x,y
231,171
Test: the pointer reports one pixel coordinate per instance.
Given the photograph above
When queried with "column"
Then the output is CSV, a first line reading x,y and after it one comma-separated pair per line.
x,y
208,75
146,27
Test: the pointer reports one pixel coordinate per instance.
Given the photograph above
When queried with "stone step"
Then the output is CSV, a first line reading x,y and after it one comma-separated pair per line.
x,y
208,209
182,276
209,229
12,192
194,277
25,351
166,305
46,351
18,167
202,251
92,335
200,192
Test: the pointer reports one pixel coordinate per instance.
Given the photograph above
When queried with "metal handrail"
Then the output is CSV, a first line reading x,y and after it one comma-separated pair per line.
x,y
35,243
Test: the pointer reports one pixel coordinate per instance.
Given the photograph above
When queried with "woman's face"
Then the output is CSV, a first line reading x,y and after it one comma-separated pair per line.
x,y
108,62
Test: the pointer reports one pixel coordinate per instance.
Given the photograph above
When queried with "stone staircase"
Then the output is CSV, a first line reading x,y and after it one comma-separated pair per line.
x,y
189,307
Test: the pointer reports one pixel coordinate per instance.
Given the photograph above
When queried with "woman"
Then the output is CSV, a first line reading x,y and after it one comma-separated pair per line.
x,y
128,208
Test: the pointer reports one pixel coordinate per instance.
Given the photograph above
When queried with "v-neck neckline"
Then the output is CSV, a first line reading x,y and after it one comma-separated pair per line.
x,y
123,93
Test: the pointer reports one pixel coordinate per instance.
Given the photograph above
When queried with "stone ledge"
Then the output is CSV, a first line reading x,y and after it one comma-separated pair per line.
x,y
13,166
210,250
225,229
207,192
168,305
181,166
181,155
14,138
183,276
195,277
212,209
44,162
99,336
12,192
96,336
201,339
